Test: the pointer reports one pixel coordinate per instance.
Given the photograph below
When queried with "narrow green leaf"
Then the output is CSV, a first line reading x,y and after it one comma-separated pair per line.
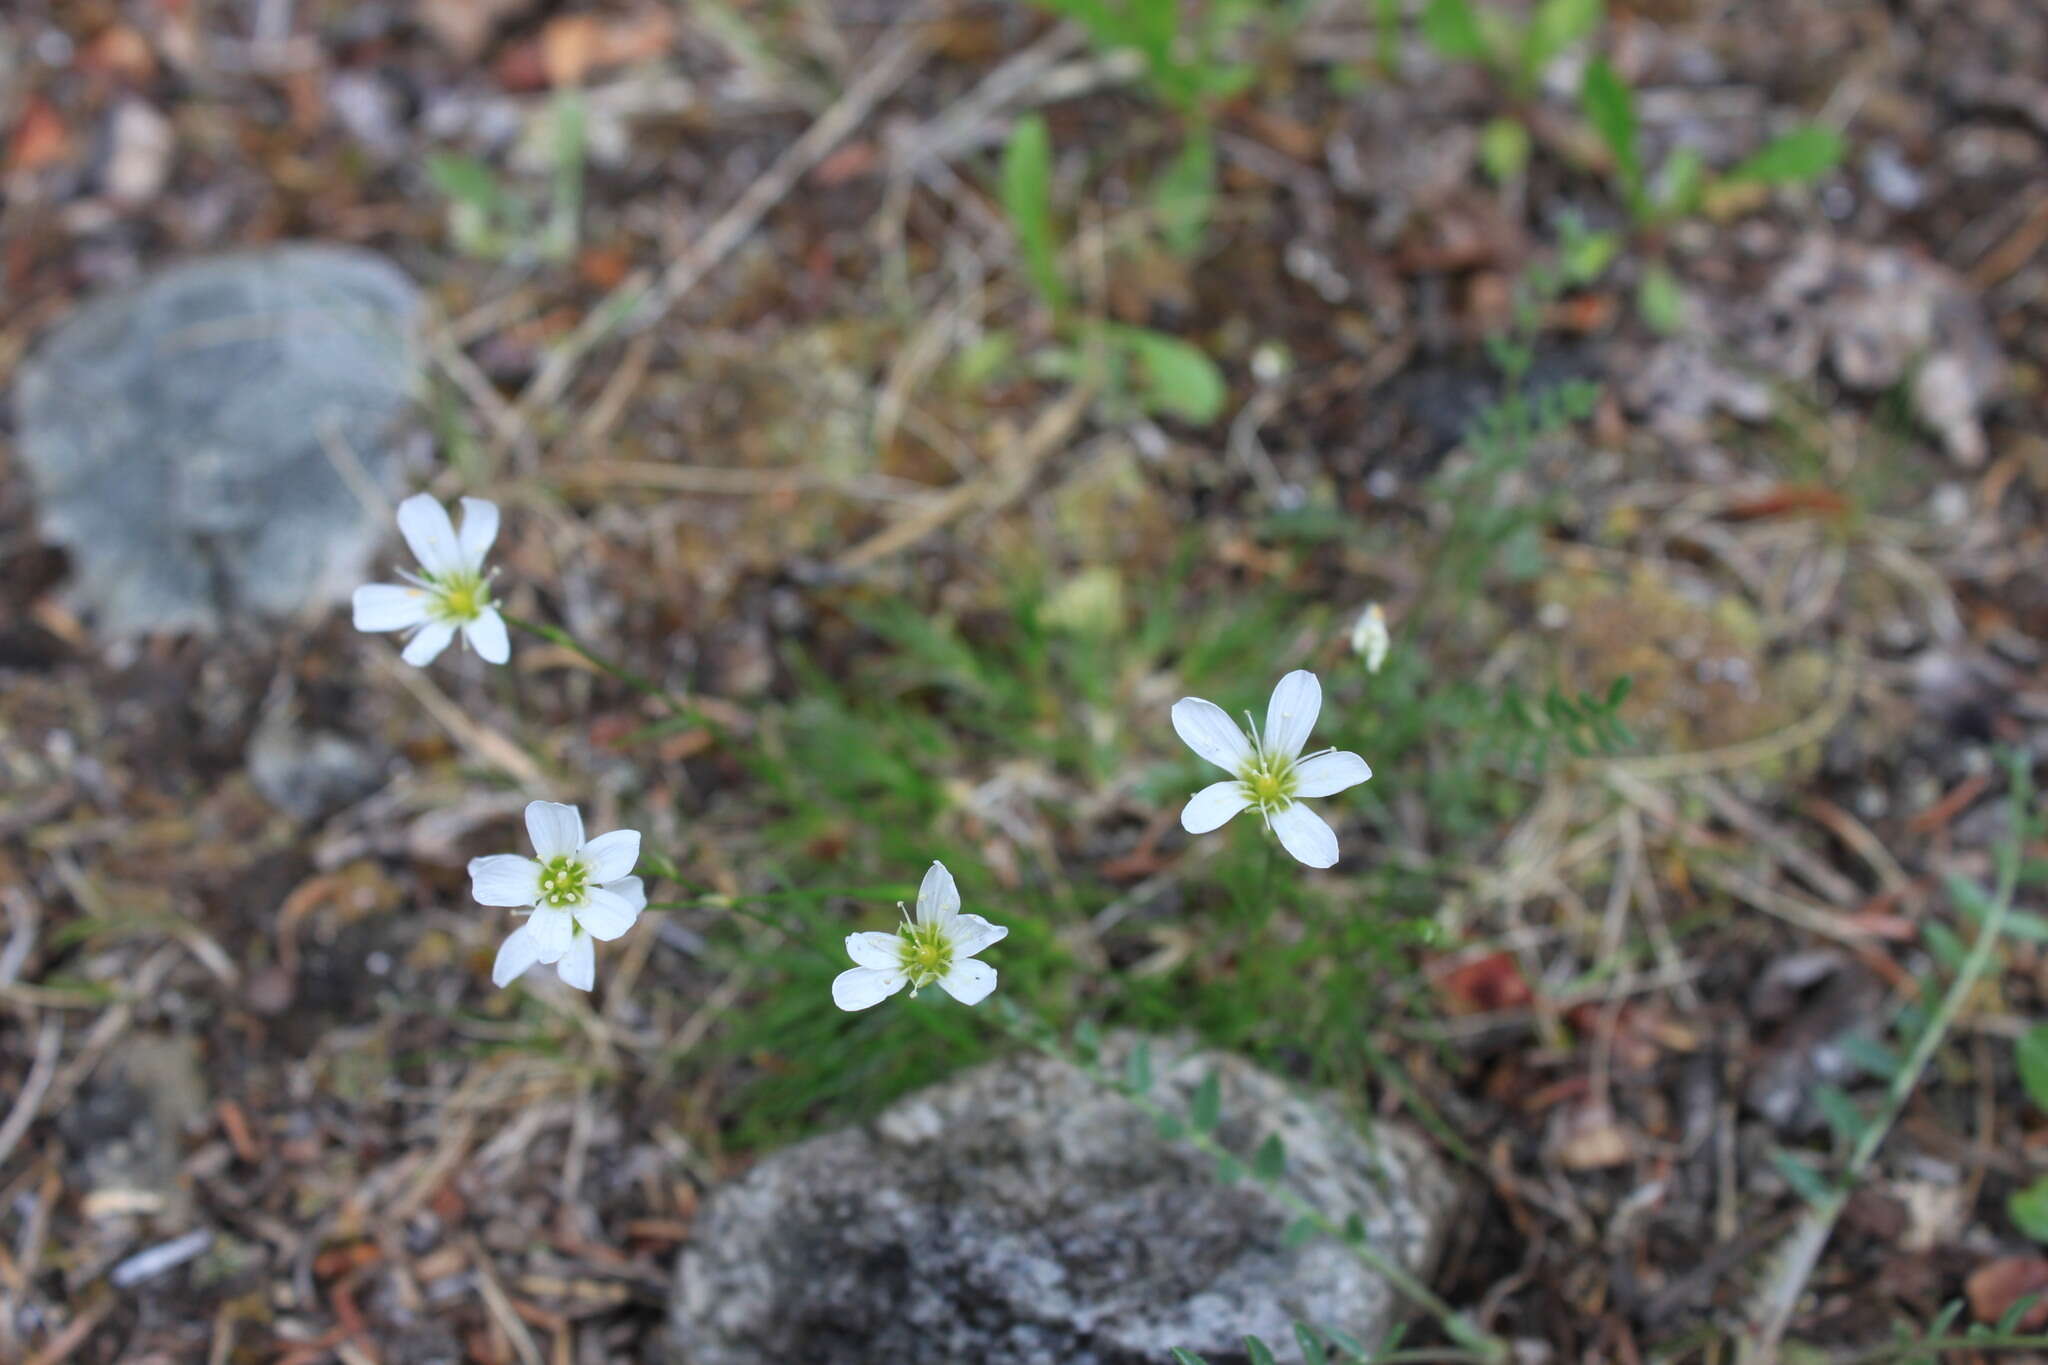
x,y
1948,949
1611,108
2029,1210
1301,1230
1229,1170
1027,201
1660,300
1841,1113
1557,25
1207,1108
1258,1352
1171,1128
2009,1320
1175,378
1138,1069
1269,1163
1182,1356
1871,1056
1313,1352
1504,149
1185,193
464,179
1798,156
1681,183
1805,1181
1354,1228
2031,1053
1452,28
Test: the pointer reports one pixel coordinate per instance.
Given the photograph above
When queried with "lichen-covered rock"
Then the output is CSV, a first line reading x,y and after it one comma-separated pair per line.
x,y
211,442
1022,1213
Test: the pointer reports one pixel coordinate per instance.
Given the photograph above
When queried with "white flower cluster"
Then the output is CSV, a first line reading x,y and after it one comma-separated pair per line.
x,y
575,892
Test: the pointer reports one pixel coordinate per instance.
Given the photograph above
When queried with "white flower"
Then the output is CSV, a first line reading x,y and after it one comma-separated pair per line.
x,y
1269,773
449,593
939,945
1369,638
578,892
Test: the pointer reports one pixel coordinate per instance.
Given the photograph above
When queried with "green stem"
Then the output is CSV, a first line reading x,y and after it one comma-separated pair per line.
x,y
1803,1248
556,635
1035,1032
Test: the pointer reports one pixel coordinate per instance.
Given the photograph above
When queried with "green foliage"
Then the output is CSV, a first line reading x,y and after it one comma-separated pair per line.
x,y
1184,61
1173,377
1134,367
1185,193
1611,108
1802,155
1027,202
489,221
2031,1053
2029,1210
1517,51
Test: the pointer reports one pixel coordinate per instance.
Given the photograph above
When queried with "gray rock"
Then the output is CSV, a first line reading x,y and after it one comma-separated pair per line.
x,y
183,437
1022,1213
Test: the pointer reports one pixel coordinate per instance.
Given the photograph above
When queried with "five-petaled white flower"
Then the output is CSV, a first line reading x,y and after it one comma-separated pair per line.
x,y
578,892
1369,638
449,593
939,945
1268,772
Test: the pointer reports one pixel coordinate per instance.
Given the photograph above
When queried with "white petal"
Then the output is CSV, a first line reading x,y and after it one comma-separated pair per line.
x,y
1306,835
1291,713
486,635
938,899
612,856
578,966
863,987
424,524
605,914
1212,806
552,932
519,951
1328,774
479,529
556,829
504,879
969,982
882,952
972,933
1210,733
426,646
629,890
387,606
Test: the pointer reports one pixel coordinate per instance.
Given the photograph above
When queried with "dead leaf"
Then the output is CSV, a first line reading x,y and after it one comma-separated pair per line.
x,y
120,52
40,139
1486,984
1587,1137
1996,1286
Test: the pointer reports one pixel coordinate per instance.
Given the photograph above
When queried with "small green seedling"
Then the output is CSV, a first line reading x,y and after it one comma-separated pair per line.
x,y
490,222
1134,366
1516,51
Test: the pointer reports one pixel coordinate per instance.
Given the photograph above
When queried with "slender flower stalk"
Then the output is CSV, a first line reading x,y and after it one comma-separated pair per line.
x,y
1268,772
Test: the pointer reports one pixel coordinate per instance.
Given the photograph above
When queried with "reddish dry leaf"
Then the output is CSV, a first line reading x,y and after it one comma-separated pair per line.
x,y
568,48
120,52
1996,1286
1791,500
40,139
851,162
1486,984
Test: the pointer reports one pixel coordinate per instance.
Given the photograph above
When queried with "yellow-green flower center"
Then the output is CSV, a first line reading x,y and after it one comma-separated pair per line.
x,y
563,881
926,953
1268,782
460,596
